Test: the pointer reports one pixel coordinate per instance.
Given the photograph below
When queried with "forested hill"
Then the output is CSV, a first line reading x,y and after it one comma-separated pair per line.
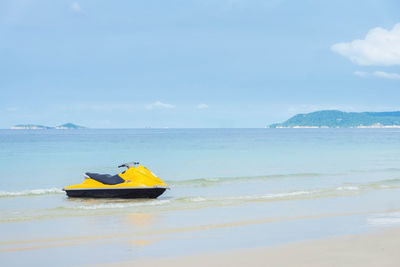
x,y
340,119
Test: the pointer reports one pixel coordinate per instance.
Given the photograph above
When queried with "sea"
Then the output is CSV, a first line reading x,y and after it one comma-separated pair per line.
x,y
229,189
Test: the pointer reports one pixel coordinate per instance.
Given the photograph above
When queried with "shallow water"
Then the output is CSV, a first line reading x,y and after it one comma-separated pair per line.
x,y
227,187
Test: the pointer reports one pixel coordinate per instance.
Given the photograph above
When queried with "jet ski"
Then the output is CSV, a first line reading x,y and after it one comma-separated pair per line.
x,y
135,182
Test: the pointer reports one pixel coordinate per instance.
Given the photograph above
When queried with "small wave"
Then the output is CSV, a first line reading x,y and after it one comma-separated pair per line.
x,y
33,192
280,195
378,170
347,188
225,180
198,181
121,205
277,196
215,181
383,220
390,181
197,199
385,184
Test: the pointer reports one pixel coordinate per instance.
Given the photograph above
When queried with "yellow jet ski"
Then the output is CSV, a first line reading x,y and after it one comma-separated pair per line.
x,y
136,182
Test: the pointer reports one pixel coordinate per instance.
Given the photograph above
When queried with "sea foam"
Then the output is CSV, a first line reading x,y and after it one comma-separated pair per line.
x,y
347,188
32,192
384,219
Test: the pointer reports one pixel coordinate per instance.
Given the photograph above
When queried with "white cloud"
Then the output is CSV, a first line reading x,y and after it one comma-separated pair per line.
x,y
76,7
380,74
159,105
387,75
202,106
380,47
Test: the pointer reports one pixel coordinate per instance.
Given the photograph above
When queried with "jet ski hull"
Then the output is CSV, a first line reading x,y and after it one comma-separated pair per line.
x,y
116,193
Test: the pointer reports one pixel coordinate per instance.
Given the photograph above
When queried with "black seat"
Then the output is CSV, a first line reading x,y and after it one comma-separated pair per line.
x,y
106,178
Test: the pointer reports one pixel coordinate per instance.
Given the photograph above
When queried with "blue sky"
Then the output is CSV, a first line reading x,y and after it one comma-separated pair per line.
x,y
236,63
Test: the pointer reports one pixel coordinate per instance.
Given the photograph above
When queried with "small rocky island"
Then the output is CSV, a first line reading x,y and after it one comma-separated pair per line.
x,y
66,126
340,119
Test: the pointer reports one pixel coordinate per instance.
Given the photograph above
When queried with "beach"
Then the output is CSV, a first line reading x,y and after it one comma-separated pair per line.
x,y
367,250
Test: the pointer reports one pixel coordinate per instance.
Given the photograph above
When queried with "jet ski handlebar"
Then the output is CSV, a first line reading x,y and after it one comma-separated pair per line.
x,y
129,164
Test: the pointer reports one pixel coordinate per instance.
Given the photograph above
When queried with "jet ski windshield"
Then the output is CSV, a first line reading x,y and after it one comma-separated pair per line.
x,y
106,178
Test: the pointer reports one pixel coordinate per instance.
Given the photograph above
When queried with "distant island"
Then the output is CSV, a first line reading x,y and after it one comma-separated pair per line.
x,y
340,119
66,126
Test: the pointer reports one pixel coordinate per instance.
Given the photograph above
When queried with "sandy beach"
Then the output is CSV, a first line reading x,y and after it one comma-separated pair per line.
x,y
373,249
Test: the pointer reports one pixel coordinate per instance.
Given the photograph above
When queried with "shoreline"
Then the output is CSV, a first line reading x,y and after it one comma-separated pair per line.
x,y
377,248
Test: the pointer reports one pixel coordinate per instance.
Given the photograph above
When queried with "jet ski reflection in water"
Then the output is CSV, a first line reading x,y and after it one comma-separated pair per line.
x,y
136,182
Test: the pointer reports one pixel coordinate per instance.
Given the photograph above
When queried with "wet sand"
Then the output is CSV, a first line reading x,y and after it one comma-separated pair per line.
x,y
380,248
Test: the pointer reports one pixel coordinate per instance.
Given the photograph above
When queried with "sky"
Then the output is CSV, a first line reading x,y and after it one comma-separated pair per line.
x,y
195,63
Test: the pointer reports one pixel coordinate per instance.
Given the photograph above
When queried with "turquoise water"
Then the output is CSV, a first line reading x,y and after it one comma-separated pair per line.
x,y
227,187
